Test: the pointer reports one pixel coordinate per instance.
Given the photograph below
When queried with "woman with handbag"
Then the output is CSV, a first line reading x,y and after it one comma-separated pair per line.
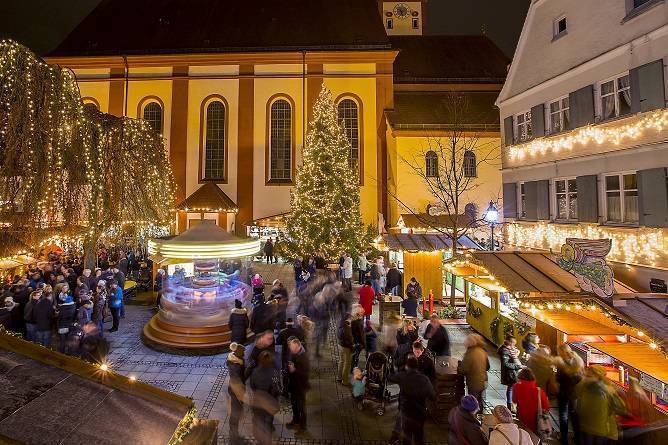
x,y
532,402
506,431
465,429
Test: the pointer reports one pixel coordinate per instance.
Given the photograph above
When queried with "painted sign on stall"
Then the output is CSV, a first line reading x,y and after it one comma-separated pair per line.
x,y
586,259
653,385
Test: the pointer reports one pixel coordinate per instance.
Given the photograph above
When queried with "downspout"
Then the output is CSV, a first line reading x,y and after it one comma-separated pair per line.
x,y
303,98
127,84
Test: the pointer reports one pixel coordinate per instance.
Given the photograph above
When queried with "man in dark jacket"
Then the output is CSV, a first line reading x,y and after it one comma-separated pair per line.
x,y
43,313
425,360
288,332
298,383
346,342
238,323
263,316
394,281
263,342
438,339
359,339
414,391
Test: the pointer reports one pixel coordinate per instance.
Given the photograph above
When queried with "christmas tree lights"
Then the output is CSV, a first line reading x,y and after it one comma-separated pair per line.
x,y
325,203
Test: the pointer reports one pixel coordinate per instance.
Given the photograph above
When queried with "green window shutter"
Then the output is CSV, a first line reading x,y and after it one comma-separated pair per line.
x,y
647,87
508,138
581,104
543,199
531,200
510,200
587,198
653,197
538,121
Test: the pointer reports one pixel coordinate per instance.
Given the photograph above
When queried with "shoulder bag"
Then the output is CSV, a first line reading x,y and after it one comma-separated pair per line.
x,y
543,424
519,430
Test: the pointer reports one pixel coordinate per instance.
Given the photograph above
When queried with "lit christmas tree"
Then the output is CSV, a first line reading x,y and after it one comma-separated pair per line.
x,y
325,203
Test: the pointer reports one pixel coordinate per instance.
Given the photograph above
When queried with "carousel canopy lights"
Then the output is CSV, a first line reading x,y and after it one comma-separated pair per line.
x,y
599,134
205,240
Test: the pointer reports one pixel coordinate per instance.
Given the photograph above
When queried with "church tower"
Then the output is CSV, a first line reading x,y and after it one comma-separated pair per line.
x,y
405,18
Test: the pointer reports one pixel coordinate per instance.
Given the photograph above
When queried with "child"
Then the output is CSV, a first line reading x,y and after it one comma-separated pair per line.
x,y
359,383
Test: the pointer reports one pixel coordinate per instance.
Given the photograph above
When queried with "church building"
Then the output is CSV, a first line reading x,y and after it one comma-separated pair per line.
x,y
231,87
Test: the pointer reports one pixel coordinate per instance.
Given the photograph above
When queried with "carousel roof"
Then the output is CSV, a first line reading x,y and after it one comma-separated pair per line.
x,y
204,240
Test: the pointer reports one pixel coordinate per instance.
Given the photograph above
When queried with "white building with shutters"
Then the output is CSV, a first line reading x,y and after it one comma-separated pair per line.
x,y
585,132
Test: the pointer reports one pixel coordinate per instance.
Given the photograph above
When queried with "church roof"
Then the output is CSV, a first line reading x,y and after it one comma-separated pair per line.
x,y
448,59
209,26
420,110
209,197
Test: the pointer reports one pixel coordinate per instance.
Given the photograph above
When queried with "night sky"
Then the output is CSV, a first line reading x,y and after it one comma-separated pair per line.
x,y
42,24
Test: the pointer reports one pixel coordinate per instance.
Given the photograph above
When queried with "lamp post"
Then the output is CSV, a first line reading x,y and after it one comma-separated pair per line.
x,y
492,216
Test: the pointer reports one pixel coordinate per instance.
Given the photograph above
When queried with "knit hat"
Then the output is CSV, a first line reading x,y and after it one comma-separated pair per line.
x,y
502,414
237,304
238,349
469,403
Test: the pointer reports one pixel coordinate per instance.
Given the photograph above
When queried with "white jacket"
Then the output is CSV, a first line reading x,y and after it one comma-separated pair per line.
x,y
347,267
512,431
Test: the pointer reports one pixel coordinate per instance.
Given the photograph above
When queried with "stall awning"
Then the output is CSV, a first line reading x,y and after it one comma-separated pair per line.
x,y
425,221
529,272
6,264
571,323
208,198
425,242
648,310
637,355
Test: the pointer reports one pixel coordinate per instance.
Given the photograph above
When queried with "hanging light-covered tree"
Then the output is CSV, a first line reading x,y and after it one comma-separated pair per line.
x,y
325,203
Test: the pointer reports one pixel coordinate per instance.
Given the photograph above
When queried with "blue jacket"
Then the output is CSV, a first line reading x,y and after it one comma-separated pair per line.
x,y
116,299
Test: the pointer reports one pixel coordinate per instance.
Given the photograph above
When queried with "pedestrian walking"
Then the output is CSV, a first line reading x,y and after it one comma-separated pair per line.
x,y
362,268
598,402
465,429
415,390
525,395
474,366
66,313
347,272
298,383
44,314
238,323
263,383
543,365
346,343
510,367
99,305
438,341
570,371
367,295
506,431
236,388
115,304
395,279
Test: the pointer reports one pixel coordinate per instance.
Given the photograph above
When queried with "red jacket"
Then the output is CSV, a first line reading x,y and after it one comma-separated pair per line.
x,y
525,394
366,299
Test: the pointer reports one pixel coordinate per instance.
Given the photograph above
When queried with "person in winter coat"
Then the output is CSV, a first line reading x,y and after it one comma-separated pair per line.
x,y
510,367
362,266
99,303
298,383
543,366
371,338
394,284
93,348
375,273
290,330
347,272
530,343
474,366
269,251
410,306
236,388
265,397
570,370
425,360
405,338
85,311
597,405
346,342
506,431
437,337
464,426
263,342
359,337
263,317
367,295
413,289
525,395
29,316
415,390
44,314
238,323
115,303
65,320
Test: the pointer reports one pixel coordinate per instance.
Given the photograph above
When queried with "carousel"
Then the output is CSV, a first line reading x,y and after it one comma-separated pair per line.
x,y
205,268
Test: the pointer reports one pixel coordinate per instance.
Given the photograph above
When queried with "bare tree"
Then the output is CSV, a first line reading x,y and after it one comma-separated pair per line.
x,y
448,166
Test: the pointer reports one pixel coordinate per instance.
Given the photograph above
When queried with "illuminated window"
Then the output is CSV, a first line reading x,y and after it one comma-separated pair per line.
x,y
615,97
621,198
349,118
522,200
560,115
153,115
431,164
566,196
523,130
470,164
280,141
214,142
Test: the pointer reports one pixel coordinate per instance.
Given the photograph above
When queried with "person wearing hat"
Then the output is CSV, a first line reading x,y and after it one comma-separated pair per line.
x,y
597,404
465,429
85,311
6,309
65,314
236,388
238,323
506,431
29,315
290,330
394,280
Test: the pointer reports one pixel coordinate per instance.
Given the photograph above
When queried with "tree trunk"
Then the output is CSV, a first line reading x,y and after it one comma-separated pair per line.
x,y
90,257
452,285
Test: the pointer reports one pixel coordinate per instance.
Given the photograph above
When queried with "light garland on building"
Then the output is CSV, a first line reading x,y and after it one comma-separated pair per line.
x,y
597,133
642,246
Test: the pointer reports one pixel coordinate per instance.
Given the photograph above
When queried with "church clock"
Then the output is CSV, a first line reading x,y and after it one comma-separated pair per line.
x,y
402,11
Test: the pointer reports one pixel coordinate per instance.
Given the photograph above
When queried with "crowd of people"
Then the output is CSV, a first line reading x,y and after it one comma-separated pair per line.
x,y
60,304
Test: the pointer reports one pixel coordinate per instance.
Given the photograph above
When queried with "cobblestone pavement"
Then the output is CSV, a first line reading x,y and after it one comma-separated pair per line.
x,y
332,418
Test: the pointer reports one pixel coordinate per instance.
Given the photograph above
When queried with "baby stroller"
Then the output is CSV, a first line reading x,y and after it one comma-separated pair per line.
x,y
143,279
377,371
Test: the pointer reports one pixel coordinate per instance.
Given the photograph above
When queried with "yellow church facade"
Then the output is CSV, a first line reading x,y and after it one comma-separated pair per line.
x,y
232,97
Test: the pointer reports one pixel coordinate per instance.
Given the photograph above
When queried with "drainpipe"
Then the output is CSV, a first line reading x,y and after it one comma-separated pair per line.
x,y
127,84
303,98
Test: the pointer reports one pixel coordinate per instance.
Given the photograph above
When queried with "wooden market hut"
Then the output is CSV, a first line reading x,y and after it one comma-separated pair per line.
x,y
209,203
493,281
422,256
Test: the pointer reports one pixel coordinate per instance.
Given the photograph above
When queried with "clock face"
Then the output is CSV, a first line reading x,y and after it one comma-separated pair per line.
x,y
402,11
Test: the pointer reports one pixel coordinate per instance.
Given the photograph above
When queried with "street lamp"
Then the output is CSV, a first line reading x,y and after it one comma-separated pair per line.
x,y
492,216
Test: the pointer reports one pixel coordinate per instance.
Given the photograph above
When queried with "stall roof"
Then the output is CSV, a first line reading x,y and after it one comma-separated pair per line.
x,y
209,197
649,310
637,355
425,242
426,221
571,323
530,272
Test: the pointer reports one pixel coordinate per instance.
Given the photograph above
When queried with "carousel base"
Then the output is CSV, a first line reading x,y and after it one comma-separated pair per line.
x,y
167,337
